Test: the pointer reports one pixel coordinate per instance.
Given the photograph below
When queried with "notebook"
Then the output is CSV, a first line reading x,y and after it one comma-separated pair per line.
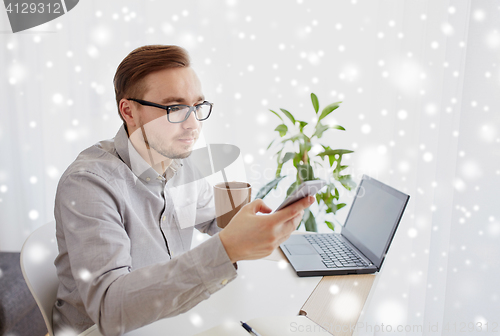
x,y
269,326
364,240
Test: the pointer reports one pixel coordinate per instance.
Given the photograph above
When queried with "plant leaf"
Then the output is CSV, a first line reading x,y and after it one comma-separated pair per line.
x,y
331,159
333,208
282,129
347,182
318,163
335,152
338,207
315,102
340,168
338,127
289,115
310,222
302,124
277,115
320,128
268,187
292,187
297,159
305,172
288,156
330,225
270,144
319,197
296,137
329,109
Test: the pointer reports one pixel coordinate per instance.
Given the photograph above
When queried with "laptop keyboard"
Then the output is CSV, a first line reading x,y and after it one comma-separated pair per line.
x,y
336,254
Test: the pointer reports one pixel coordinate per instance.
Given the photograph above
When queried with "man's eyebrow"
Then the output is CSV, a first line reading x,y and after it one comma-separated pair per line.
x,y
179,100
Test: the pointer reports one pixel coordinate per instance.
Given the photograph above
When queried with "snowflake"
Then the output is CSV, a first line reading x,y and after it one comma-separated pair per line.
x,y
33,214
196,319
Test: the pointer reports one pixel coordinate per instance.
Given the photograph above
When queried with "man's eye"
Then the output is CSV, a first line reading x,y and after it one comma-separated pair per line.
x,y
175,109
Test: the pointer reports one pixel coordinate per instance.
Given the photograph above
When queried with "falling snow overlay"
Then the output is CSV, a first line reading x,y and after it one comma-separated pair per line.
x,y
419,86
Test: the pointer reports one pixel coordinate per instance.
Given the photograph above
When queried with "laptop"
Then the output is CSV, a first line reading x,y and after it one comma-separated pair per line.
x,y
365,238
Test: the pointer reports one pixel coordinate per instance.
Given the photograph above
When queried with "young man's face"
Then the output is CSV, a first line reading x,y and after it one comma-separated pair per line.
x,y
170,140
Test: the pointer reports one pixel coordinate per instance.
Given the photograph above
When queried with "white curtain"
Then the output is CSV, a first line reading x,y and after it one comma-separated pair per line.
x,y
419,81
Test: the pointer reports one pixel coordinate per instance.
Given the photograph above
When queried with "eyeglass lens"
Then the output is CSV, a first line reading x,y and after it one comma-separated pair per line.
x,y
179,113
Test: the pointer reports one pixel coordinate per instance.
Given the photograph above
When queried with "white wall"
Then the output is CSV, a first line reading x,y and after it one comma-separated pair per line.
x,y
419,81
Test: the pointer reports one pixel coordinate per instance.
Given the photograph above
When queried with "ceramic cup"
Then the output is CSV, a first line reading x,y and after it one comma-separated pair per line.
x,y
229,198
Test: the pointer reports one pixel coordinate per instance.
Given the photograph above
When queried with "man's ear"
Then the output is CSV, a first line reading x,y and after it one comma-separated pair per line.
x,y
126,112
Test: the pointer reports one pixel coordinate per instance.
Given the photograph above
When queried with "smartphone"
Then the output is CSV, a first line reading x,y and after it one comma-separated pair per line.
x,y
305,189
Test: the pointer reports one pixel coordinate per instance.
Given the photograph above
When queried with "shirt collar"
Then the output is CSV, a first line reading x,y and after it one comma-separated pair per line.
x,y
137,164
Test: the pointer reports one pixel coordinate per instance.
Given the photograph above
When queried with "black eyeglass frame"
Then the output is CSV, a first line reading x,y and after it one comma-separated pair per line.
x,y
168,107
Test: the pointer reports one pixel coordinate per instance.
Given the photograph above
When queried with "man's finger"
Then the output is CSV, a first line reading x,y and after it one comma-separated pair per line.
x,y
295,221
292,210
291,226
266,209
258,205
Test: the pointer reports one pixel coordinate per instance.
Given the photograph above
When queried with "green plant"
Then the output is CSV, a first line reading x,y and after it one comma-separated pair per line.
x,y
306,162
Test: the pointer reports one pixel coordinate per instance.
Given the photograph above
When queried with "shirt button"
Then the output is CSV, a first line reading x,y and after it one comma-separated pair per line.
x,y
148,179
224,282
163,218
159,177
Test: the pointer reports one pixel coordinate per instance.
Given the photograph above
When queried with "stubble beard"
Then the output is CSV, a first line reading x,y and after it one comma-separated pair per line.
x,y
155,142
168,151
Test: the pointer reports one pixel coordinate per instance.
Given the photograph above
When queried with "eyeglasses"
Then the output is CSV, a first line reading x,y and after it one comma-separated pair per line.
x,y
179,113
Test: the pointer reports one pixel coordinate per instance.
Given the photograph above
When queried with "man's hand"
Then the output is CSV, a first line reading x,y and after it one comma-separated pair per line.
x,y
252,236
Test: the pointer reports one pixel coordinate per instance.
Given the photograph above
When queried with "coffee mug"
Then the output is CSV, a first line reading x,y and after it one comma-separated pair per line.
x,y
229,198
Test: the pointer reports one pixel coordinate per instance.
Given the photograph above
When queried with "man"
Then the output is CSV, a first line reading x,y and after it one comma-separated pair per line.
x,y
123,230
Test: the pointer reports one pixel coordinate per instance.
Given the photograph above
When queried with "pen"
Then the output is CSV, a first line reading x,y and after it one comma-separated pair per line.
x,y
249,329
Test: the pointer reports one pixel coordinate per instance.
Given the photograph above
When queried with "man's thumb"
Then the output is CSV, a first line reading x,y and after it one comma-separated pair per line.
x,y
293,209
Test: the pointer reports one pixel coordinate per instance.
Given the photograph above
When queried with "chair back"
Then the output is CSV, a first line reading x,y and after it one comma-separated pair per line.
x,y
37,264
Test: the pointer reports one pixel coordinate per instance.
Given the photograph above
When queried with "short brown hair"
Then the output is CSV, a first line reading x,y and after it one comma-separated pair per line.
x,y
141,62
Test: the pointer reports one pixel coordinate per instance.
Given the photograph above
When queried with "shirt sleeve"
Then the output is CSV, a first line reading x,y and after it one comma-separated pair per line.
x,y
117,298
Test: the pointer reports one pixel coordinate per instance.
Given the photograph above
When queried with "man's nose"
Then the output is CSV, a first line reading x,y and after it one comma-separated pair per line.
x,y
191,121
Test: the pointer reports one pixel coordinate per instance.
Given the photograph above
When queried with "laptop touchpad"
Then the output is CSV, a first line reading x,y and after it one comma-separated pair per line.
x,y
295,249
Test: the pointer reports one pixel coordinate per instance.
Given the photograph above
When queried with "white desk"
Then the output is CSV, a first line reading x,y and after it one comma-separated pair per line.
x,y
270,288
262,288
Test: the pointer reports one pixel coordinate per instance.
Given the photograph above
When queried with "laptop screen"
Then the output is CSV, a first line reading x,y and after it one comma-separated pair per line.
x,y
374,217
